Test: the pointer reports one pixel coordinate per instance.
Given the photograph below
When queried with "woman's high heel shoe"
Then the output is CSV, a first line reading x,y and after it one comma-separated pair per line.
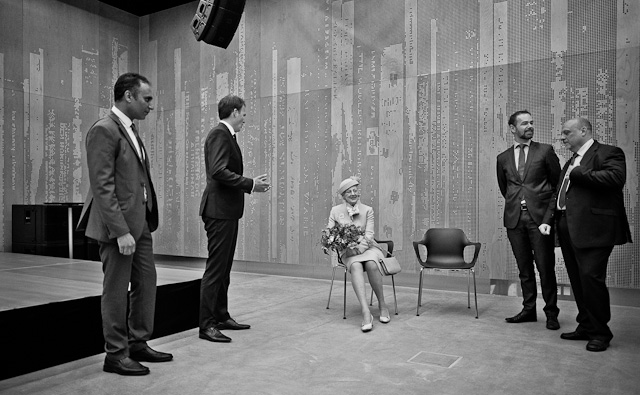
x,y
366,327
385,318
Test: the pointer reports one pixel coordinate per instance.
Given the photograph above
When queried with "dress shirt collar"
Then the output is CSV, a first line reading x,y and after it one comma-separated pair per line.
x,y
585,147
127,127
516,145
122,117
225,123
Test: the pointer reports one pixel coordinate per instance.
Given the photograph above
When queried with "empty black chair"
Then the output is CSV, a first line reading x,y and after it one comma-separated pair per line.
x,y
445,250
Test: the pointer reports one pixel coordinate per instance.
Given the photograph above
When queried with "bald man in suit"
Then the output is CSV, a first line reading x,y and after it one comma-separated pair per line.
x,y
527,175
588,208
120,212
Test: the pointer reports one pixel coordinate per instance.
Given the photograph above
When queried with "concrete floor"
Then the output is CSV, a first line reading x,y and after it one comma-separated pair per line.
x,y
296,346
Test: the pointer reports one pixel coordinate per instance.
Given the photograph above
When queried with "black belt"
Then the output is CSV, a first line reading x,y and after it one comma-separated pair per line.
x,y
523,207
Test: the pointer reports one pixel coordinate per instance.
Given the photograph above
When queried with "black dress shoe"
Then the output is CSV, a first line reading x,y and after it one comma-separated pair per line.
x,y
214,335
523,316
597,345
148,354
575,335
231,324
125,367
552,323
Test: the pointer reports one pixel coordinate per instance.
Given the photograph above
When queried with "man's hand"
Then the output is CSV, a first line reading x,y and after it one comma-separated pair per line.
x,y
260,184
545,229
127,244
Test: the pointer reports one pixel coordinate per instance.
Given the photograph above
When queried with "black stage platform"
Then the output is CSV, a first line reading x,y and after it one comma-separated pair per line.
x,y
50,309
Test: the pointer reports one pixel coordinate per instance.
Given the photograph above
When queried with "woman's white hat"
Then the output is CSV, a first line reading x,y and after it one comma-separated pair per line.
x,y
348,183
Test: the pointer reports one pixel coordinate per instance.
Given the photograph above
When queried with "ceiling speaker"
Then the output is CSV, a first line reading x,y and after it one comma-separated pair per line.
x,y
216,21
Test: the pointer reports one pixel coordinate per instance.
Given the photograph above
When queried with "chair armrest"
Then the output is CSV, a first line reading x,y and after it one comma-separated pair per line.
x,y
476,252
389,244
416,247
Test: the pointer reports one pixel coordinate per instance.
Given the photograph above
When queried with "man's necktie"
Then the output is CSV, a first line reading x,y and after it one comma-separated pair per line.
x,y
521,161
562,197
144,166
140,147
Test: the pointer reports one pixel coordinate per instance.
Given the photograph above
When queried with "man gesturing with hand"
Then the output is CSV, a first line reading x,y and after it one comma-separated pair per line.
x,y
221,207
588,208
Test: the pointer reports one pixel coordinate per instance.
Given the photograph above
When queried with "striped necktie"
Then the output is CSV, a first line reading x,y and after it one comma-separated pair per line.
x,y
562,197
139,141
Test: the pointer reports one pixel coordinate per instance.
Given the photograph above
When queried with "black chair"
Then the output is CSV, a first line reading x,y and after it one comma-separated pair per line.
x,y
445,250
389,245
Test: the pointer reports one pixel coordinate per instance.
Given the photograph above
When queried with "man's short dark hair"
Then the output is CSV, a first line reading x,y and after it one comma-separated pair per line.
x,y
514,117
227,104
128,82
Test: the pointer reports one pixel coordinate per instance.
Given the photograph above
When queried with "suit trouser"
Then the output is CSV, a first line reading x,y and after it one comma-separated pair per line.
x,y
587,270
529,245
124,334
222,235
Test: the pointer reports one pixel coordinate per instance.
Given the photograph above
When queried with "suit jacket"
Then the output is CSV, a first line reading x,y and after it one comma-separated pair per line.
x,y
115,204
541,175
223,197
595,211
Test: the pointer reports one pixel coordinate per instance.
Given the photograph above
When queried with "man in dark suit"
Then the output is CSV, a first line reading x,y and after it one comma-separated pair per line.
x,y
588,207
221,207
527,175
120,212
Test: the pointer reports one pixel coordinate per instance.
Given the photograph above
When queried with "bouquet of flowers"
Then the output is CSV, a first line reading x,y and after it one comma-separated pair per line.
x,y
341,237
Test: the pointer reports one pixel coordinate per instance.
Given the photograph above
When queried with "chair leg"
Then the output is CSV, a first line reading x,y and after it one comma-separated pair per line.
x,y
468,289
475,294
371,301
419,294
395,299
333,276
344,301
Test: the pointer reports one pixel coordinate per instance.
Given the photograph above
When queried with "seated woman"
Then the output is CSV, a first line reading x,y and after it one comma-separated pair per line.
x,y
365,255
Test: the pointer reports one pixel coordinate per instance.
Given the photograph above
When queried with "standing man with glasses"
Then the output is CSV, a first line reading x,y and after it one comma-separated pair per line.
x,y
120,213
528,173
221,207
590,216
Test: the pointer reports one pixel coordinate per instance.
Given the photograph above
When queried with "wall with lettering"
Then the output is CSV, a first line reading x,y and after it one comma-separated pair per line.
x,y
411,95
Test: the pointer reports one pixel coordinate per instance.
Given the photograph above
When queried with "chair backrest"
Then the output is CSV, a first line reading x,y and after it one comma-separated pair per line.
x,y
445,248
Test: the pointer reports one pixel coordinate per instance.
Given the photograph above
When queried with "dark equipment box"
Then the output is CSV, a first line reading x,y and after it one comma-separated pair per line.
x,y
43,229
